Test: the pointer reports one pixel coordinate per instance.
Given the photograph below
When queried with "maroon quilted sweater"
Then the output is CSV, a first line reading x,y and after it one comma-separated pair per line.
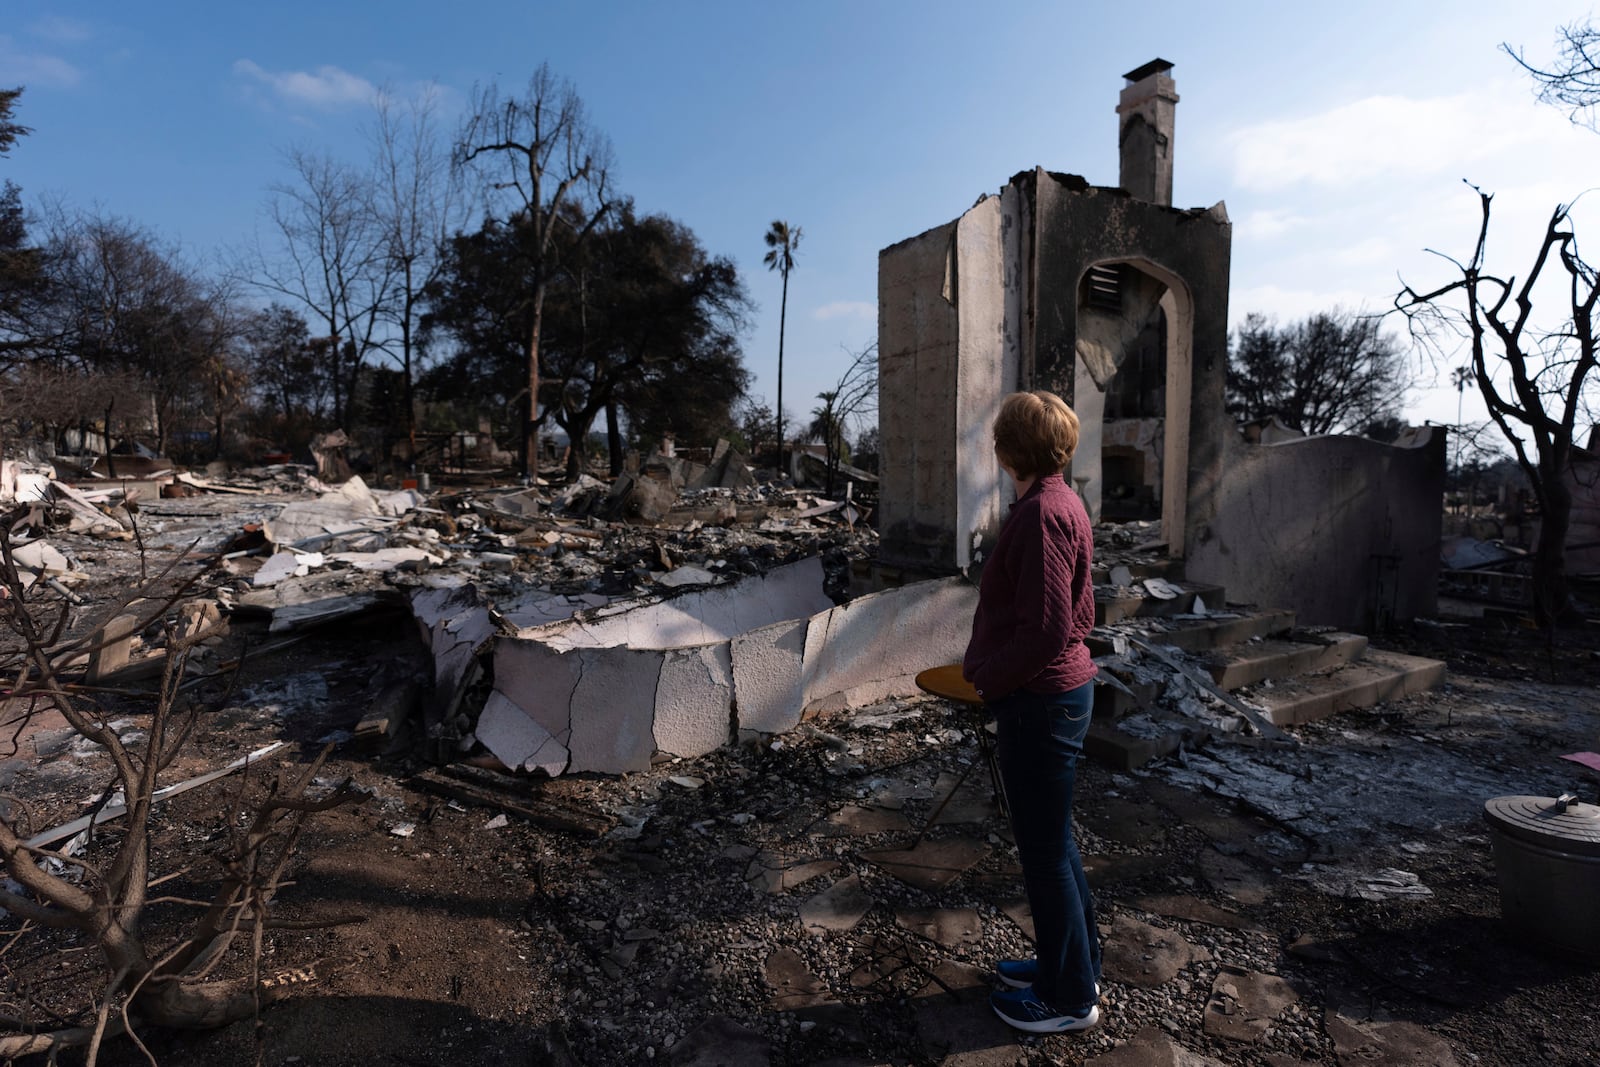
x,y
1036,599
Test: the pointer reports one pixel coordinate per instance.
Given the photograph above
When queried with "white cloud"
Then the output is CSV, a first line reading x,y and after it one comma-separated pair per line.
x,y
326,88
1287,305
846,309
1386,137
1267,223
24,68
60,29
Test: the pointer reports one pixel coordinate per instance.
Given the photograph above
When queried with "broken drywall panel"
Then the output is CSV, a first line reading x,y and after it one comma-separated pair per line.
x,y
86,518
540,607
613,709
694,697
540,681
766,676
386,559
285,565
702,617
454,625
349,509
873,647
516,740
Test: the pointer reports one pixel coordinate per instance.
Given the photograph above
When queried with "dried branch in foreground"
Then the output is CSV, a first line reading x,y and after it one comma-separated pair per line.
x,y
105,900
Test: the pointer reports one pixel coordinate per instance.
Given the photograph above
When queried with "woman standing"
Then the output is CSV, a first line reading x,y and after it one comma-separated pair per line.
x,y
1028,661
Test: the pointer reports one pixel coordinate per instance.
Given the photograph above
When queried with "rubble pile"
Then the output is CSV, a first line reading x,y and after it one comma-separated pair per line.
x,y
296,553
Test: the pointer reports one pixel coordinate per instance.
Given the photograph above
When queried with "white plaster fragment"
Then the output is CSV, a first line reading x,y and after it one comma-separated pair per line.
x,y
540,681
873,647
693,701
703,617
766,676
516,740
613,709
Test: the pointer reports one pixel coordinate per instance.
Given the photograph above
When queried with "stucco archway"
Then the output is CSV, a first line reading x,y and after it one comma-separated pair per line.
x,y
1103,333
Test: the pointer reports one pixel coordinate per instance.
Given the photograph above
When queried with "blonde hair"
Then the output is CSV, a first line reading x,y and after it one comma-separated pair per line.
x,y
1035,433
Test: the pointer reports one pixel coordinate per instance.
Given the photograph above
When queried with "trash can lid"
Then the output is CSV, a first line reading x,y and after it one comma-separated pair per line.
x,y
1563,822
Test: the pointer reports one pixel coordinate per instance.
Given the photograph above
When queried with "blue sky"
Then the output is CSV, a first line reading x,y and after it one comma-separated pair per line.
x,y
1338,136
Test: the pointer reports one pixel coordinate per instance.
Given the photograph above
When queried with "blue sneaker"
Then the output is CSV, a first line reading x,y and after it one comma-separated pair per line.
x,y
1020,974
1021,1009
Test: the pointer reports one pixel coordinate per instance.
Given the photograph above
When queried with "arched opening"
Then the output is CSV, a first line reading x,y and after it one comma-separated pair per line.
x,y
1131,388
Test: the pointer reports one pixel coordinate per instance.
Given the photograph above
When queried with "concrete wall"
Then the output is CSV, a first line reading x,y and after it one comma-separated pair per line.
x,y
917,349
1189,252
988,303
1343,530
564,703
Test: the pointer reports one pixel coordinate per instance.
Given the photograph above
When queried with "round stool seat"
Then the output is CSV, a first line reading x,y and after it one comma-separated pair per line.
x,y
947,682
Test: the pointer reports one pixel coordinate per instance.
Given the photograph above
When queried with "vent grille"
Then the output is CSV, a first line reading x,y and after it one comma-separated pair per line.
x,y
1103,288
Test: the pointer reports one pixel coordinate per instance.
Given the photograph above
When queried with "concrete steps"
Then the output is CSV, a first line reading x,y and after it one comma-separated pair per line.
x,y
1268,660
1378,676
1295,676
1110,608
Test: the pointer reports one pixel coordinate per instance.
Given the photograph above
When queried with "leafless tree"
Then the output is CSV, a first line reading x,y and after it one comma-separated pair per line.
x,y
1533,378
544,166
333,257
852,400
102,895
419,203
1572,81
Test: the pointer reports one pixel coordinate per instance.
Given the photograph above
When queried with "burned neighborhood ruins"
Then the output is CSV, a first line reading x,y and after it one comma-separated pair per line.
x,y
632,766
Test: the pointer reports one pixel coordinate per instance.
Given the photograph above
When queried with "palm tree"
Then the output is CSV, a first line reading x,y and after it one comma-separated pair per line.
x,y
782,239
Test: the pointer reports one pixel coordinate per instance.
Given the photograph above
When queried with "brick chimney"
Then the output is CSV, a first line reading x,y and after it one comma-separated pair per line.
x,y
1145,115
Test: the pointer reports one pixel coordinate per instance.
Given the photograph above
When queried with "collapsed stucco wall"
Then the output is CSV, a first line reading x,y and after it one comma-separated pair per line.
x,y
610,693
1344,529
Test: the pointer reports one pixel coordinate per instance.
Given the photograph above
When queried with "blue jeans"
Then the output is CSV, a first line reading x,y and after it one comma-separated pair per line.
x,y
1039,737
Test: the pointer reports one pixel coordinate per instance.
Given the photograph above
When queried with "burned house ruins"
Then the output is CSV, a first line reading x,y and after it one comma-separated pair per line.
x,y
1118,301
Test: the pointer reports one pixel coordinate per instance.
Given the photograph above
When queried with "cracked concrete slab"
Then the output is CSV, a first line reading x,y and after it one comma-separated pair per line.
x,y
1017,911
1233,877
838,908
973,803
1140,954
1389,1044
1244,1004
1150,1048
856,820
949,927
793,984
772,873
931,864
1192,909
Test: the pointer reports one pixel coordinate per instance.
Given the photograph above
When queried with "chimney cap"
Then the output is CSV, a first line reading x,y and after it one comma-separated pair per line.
x,y
1155,66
